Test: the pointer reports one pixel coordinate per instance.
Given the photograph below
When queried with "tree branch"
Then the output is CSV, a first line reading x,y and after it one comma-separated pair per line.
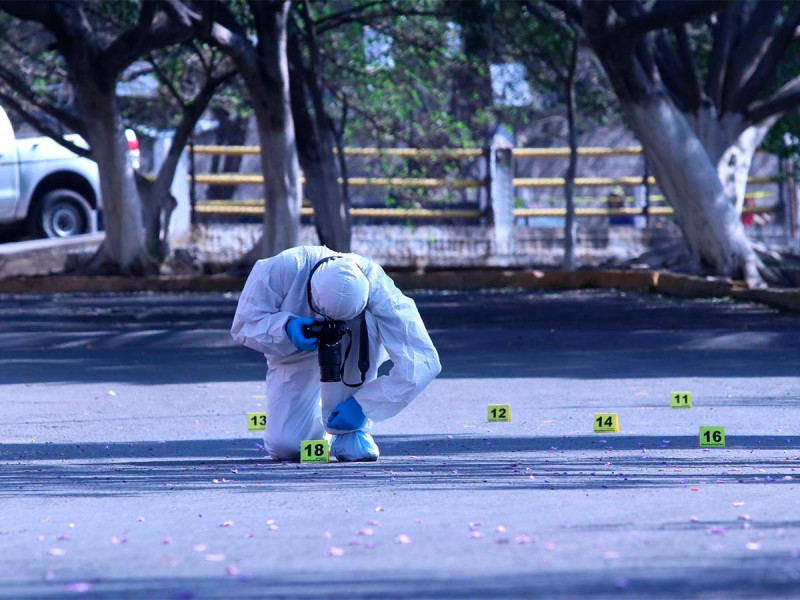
x,y
571,8
366,19
769,63
666,14
786,98
686,55
751,46
72,121
672,72
724,32
41,126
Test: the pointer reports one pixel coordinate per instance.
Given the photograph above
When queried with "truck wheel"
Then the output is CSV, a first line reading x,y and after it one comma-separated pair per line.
x,y
60,214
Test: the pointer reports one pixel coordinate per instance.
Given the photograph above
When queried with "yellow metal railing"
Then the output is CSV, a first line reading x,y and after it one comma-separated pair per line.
x,y
255,207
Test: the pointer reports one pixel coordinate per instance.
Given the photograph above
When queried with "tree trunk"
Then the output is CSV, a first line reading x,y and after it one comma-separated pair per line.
x,y
124,246
570,225
689,179
315,143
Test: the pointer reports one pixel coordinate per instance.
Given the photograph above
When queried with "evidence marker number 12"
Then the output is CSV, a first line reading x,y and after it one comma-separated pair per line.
x,y
256,421
499,412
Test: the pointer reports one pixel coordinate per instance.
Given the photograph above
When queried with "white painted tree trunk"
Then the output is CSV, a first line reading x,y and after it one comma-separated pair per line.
x,y
690,181
122,210
282,188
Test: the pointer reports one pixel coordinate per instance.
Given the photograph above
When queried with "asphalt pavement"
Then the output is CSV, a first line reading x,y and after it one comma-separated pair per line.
x,y
127,471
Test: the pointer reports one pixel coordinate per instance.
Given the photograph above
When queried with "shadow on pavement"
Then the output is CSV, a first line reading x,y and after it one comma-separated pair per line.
x,y
772,576
183,338
423,462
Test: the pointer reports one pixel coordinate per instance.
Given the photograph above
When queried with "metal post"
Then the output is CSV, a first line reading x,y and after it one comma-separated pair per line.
x,y
193,185
646,191
502,195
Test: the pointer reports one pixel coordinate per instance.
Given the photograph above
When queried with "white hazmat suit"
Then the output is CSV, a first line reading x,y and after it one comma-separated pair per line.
x,y
297,402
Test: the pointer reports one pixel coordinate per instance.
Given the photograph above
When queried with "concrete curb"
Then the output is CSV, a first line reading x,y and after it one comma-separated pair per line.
x,y
661,282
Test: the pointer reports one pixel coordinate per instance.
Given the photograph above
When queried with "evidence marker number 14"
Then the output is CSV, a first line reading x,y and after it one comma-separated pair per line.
x,y
256,421
606,423
499,412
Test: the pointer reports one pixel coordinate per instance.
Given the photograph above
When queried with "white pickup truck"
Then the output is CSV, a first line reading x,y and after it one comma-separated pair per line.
x,y
44,186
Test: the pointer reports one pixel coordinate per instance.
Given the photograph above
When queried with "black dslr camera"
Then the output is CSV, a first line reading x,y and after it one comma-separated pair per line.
x,y
329,334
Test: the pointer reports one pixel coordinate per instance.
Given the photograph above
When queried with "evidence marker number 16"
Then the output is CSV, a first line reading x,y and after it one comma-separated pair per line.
x,y
256,421
499,412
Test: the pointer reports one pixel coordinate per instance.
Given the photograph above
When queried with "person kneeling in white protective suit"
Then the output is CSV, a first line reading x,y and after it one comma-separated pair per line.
x,y
287,301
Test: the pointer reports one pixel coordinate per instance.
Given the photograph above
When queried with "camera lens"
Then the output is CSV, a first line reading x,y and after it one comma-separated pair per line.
x,y
330,361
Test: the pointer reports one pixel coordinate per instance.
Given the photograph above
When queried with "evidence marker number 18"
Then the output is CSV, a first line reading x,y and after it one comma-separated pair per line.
x,y
314,451
256,421
499,412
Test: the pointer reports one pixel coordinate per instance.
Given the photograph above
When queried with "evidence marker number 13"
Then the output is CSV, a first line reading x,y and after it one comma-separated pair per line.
x,y
499,412
256,421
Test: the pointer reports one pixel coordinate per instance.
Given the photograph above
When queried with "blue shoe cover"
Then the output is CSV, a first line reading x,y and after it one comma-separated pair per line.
x,y
355,446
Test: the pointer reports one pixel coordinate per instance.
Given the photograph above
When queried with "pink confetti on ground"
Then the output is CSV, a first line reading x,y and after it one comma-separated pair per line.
x,y
379,509
610,555
370,545
500,529
48,575
549,546
141,520
373,522
476,535
166,541
79,587
215,557
753,546
335,551
354,542
523,539
56,552
366,531
738,503
232,570
745,517
272,527
117,541
63,538
199,547
694,519
327,535
226,524
402,539
569,526
716,530
249,535
71,525
418,521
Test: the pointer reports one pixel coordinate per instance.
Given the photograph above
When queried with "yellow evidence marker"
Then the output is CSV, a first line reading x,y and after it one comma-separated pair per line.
x,y
680,399
712,437
499,412
606,423
256,421
314,451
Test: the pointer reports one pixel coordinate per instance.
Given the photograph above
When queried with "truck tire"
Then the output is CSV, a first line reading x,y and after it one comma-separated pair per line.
x,y
59,214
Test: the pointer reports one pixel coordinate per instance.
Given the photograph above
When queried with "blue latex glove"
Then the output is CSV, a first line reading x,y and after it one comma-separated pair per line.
x,y
294,327
347,416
